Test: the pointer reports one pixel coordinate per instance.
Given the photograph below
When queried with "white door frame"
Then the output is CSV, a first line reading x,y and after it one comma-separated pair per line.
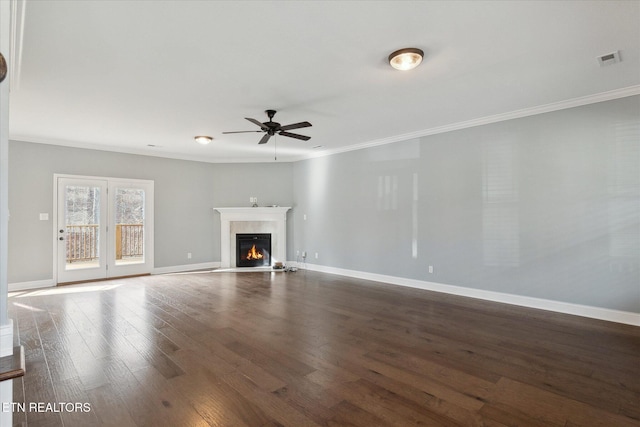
x,y
92,270
112,270
145,267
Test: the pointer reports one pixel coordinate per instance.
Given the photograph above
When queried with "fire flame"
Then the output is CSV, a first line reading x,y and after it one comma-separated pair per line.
x,y
254,254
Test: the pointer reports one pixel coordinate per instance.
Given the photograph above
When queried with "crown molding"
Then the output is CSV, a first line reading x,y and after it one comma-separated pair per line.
x,y
525,112
547,108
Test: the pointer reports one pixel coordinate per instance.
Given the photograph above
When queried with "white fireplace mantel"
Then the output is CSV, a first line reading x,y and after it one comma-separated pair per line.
x,y
277,215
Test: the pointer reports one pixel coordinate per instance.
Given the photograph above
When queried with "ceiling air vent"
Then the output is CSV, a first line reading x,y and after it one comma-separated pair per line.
x,y
609,58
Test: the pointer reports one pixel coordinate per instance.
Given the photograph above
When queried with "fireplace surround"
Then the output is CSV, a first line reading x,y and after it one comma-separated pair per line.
x,y
272,220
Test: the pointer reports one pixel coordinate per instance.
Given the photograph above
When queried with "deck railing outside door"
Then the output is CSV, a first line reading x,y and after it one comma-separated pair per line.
x,y
129,240
82,242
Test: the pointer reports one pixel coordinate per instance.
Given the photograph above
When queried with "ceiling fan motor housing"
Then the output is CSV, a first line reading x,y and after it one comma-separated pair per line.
x,y
273,127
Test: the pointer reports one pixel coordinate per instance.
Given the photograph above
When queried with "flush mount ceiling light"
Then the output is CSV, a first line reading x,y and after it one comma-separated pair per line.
x,y
406,59
3,68
202,139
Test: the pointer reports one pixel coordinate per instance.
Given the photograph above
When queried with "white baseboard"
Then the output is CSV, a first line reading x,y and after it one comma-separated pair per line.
x,y
36,284
617,316
186,267
48,283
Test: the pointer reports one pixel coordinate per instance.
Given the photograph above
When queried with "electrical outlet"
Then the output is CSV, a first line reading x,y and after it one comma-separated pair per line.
x,y
316,255
188,255
431,269
304,254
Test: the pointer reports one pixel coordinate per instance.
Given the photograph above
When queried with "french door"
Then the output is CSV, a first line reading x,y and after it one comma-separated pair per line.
x,y
104,228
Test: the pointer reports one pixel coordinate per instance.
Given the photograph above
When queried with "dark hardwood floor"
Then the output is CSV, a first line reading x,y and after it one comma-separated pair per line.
x,y
307,349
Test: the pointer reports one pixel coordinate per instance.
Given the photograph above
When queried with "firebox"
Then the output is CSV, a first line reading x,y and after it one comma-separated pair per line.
x,y
253,250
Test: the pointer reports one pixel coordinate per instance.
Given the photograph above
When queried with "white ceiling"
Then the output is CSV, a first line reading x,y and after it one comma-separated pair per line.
x,y
120,75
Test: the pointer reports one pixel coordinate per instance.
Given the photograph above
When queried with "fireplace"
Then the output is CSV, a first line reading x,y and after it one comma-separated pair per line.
x,y
253,250
252,220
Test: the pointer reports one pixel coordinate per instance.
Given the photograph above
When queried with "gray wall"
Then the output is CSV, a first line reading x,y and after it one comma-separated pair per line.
x,y
185,194
545,206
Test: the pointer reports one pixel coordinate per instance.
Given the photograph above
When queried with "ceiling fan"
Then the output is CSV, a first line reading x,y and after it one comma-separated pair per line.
x,y
272,128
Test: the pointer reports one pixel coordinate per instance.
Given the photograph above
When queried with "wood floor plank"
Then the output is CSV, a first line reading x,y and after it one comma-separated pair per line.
x,y
551,408
109,409
348,414
369,368
173,399
217,402
309,399
314,349
72,391
415,412
259,376
270,404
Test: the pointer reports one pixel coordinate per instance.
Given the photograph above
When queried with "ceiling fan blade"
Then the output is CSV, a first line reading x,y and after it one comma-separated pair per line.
x,y
295,135
264,139
254,121
296,126
244,131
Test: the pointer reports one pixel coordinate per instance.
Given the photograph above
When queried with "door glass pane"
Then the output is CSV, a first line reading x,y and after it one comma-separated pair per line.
x,y
82,222
129,216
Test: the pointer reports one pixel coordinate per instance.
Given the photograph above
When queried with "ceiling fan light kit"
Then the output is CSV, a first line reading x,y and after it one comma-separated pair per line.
x,y
406,59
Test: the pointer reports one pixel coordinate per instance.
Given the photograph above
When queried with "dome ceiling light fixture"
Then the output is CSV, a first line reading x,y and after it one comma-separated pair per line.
x,y
203,139
406,59
3,68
